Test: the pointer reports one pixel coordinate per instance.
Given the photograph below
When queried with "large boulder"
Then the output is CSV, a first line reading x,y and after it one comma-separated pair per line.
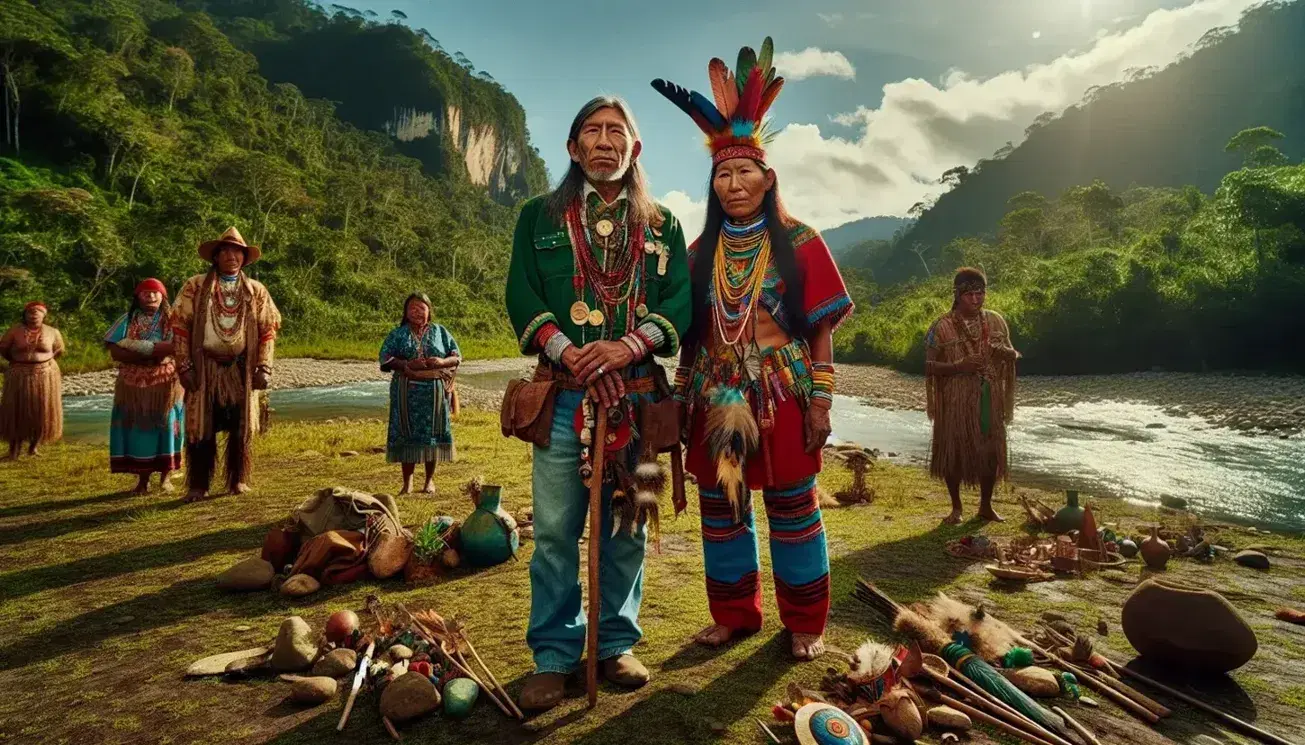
x,y
295,646
1188,628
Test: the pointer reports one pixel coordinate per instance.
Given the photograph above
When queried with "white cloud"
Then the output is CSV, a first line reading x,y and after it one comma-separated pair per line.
x,y
921,129
812,62
690,212
1037,34
831,19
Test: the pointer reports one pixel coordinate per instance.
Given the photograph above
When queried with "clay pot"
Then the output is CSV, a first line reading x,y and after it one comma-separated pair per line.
x,y
1188,628
420,572
1070,517
1155,551
280,547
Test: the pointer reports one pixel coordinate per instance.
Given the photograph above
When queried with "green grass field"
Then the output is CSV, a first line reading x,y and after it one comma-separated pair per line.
x,y
108,598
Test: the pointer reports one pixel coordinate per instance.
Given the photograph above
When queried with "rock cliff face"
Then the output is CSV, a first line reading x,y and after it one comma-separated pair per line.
x,y
490,161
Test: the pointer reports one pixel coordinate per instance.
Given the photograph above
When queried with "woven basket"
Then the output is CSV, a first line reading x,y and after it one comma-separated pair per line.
x,y
1097,560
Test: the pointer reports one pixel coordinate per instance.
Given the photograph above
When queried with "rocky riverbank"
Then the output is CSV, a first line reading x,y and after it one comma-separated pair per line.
x,y
1251,403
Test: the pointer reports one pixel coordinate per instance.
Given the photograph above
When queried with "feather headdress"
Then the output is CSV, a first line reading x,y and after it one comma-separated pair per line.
x,y
734,118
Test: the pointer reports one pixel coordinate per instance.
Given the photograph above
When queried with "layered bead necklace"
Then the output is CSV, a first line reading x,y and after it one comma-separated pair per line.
x,y
145,324
742,259
617,279
229,312
32,336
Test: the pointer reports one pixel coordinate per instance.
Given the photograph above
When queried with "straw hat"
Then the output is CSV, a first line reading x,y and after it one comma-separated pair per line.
x,y
231,237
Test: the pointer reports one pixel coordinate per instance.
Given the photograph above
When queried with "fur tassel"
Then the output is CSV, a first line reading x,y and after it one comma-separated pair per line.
x,y
732,438
650,476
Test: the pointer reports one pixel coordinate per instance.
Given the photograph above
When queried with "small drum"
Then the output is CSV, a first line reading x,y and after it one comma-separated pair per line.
x,y
824,724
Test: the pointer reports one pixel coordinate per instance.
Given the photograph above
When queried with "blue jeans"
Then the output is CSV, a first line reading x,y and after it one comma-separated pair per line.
x,y
557,618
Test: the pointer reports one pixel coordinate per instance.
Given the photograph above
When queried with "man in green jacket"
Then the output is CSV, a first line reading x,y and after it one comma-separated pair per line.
x,y
598,286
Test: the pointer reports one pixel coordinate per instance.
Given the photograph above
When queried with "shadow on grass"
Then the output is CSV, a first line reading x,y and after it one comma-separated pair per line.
x,y
30,581
44,506
63,526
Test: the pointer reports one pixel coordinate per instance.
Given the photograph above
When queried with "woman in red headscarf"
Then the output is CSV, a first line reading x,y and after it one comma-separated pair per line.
x,y
147,431
31,407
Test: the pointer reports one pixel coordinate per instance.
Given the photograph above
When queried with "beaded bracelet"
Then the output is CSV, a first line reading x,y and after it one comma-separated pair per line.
x,y
682,375
822,381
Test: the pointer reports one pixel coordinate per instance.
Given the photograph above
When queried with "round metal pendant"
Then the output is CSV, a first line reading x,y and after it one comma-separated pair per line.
x,y
823,724
580,313
641,311
596,317
605,227
619,431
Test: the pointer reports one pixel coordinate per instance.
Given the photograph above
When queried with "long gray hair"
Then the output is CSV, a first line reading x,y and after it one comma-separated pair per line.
x,y
643,208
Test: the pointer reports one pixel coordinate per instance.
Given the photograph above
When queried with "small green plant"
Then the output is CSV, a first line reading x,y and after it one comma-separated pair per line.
x,y
428,541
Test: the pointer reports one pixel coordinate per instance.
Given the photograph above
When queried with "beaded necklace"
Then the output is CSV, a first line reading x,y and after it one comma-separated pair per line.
x,y
228,310
32,335
615,282
419,339
144,324
742,257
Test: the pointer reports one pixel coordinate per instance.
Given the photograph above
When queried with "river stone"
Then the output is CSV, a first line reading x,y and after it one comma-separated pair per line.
x,y
217,664
1035,681
459,696
314,690
409,696
337,663
398,653
295,646
246,666
949,718
1252,559
299,586
1187,628
251,574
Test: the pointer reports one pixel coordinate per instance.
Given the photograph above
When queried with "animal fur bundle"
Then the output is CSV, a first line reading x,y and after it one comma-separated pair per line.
x,y
732,438
646,484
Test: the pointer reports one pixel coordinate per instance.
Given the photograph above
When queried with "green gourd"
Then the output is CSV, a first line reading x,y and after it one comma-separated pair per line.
x,y
1070,517
460,696
489,535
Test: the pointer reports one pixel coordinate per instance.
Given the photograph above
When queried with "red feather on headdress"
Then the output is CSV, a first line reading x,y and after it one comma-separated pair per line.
x,y
751,98
768,98
723,87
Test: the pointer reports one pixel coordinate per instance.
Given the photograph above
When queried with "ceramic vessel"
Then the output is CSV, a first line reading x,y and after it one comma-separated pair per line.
x,y
1155,551
1069,517
489,535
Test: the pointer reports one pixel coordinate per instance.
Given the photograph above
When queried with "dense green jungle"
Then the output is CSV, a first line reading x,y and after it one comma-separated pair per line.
x,y
1160,223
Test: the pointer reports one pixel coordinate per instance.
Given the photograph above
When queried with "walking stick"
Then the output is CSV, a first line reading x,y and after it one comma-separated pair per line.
x,y
598,448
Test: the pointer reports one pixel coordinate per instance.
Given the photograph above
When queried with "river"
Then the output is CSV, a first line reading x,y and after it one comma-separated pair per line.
x,y
1127,449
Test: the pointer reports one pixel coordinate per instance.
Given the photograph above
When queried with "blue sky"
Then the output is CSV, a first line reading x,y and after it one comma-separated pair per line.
x,y
962,77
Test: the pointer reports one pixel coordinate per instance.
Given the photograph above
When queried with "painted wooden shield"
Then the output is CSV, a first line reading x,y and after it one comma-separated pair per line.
x,y
823,724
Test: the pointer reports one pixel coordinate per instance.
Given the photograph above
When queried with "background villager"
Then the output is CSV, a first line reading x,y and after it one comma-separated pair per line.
x,y
225,325
598,284
423,358
147,428
756,376
31,406
970,381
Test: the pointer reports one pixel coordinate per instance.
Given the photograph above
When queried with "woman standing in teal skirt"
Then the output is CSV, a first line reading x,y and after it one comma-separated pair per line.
x,y
423,358
147,430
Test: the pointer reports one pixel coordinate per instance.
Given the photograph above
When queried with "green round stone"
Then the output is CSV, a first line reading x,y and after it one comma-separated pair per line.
x,y
459,696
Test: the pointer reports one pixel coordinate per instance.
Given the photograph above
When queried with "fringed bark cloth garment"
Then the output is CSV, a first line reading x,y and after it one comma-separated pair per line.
x,y
31,407
421,427
147,429
969,412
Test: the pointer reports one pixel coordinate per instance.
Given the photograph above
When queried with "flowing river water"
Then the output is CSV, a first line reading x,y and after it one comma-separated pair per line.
x,y
1119,448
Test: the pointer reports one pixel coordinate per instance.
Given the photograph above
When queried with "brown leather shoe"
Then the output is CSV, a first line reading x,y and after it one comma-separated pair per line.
x,y
625,671
542,691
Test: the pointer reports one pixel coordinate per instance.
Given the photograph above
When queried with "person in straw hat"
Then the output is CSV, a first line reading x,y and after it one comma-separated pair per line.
x,y
225,326
31,406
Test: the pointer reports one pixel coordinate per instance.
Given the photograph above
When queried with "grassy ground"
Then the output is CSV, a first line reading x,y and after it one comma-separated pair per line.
x,y
109,597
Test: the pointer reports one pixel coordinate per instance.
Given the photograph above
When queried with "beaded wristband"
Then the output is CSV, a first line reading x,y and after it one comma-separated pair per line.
x,y
636,345
822,381
682,375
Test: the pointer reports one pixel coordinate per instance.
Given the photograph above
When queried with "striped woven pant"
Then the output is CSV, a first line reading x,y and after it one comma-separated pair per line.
x,y
798,553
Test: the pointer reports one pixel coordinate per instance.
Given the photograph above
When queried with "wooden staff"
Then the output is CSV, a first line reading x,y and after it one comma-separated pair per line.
x,y
1133,707
1084,731
598,448
998,707
1246,727
987,719
494,679
1159,709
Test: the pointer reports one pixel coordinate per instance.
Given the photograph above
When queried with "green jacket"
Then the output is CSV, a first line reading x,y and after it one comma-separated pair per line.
x,y
539,286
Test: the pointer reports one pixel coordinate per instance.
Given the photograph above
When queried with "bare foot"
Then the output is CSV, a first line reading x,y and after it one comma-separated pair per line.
x,y
165,485
808,646
241,488
429,488
142,486
195,495
714,635
989,514
32,451
953,518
